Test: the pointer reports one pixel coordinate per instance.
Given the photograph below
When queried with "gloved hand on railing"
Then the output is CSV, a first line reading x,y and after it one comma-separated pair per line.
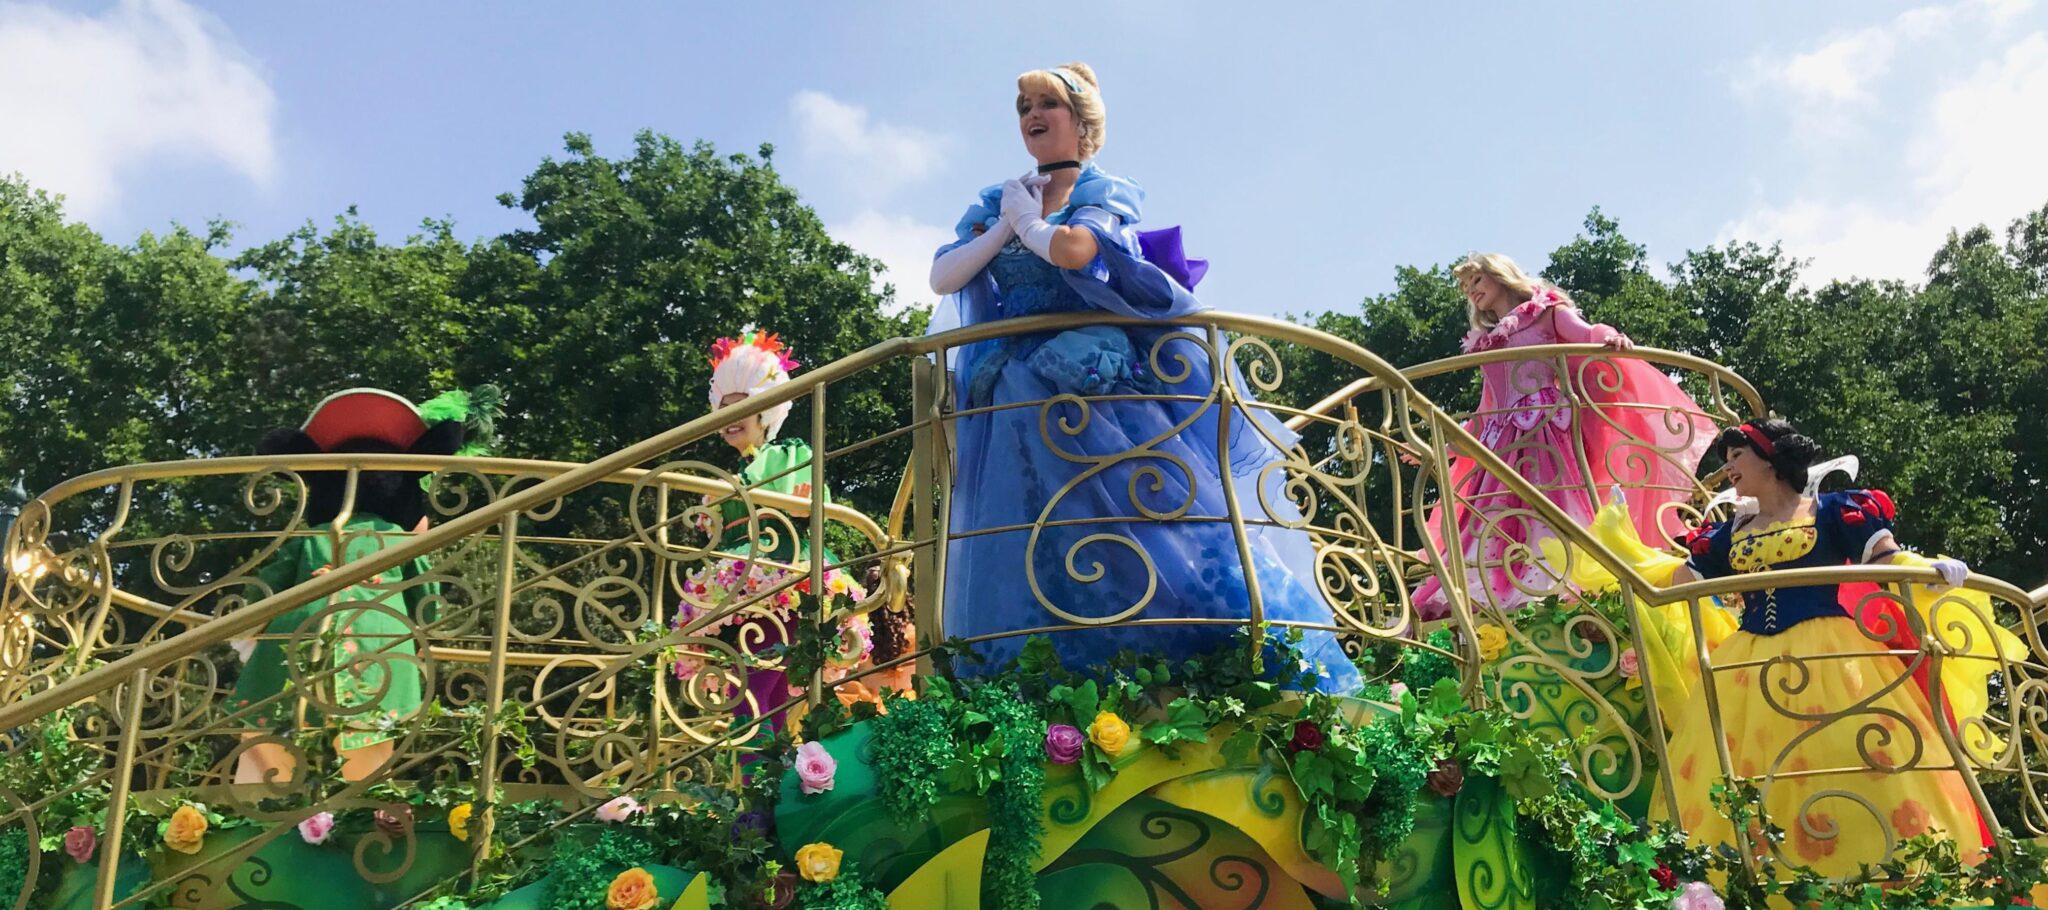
x,y
1953,571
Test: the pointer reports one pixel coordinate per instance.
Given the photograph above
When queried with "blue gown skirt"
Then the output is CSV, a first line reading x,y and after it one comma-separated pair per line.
x,y
1103,465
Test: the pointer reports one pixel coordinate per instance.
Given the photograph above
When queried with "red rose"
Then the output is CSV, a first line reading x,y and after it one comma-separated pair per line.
x,y
1447,779
1307,738
1666,879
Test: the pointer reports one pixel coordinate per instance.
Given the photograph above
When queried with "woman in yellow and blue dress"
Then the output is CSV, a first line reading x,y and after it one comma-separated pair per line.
x,y
1831,729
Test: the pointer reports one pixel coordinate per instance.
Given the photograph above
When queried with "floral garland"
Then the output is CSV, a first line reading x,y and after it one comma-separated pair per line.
x,y
733,580
1361,783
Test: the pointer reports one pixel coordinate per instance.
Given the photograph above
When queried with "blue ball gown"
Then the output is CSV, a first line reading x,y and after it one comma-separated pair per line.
x,y
1030,464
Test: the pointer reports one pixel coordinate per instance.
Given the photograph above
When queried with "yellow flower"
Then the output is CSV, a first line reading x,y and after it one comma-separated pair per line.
x,y
632,890
186,832
818,862
1492,641
1109,733
458,821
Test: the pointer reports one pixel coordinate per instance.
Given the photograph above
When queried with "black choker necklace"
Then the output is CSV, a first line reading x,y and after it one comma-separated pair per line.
x,y
1058,166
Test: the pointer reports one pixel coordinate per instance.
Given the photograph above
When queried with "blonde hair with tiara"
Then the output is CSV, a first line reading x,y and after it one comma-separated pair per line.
x,y
1084,99
1504,270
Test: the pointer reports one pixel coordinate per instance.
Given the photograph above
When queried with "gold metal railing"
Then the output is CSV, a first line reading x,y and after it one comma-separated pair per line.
x,y
564,646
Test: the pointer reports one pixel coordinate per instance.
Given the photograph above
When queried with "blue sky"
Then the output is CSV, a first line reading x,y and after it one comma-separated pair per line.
x,y
1308,149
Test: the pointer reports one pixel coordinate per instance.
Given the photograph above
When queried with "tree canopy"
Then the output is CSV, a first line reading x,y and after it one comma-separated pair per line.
x,y
595,320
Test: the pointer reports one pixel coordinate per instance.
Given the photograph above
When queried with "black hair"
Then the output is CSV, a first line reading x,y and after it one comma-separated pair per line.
x,y
395,496
1792,452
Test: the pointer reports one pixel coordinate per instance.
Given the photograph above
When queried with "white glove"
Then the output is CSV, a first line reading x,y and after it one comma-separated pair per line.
x,y
1021,197
1021,206
953,269
1953,571
244,648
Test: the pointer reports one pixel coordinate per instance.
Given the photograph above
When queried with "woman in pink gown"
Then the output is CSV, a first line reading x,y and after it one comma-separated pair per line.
x,y
1633,426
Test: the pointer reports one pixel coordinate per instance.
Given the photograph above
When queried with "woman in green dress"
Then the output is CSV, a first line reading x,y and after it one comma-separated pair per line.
x,y
363,669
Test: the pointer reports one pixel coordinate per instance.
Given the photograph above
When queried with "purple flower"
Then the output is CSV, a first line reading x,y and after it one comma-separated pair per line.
x,y
80,842
1063,743
749,822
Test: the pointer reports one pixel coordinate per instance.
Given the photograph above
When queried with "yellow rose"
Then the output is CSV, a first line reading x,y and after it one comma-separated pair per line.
x,y
632,890
1109,733
1492,641
818,862
458,821
186,832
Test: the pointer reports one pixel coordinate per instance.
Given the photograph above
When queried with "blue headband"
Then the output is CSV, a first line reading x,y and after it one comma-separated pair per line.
x,y
1073,85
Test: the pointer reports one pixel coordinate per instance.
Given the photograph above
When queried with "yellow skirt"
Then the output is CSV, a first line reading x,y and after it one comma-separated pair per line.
x,y
1842,748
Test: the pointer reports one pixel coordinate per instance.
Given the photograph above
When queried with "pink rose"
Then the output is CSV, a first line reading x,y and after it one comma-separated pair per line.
x,y
1630,663
1697,896
314,830
619,810
1395,691
1063,743
80,842
815,768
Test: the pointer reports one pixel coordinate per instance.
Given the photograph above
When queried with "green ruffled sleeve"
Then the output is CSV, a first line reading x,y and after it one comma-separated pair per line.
x,y
788,463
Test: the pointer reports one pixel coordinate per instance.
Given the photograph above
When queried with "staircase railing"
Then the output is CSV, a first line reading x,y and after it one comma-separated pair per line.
x,y
598,614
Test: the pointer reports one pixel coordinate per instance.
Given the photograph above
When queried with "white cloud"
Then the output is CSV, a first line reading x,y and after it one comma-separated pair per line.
x,y
867,158
864,159
905,247
1830,85
85,98
1973,157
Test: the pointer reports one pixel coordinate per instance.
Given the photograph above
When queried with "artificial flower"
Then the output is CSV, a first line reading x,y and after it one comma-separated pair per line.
x,y
1666,879
633,889
1307,737
619,809
458,821
395,821
815,768
186,830
1492,641
315,828
1109,733
1697,896
818,862
1063,743
80,842
1447,779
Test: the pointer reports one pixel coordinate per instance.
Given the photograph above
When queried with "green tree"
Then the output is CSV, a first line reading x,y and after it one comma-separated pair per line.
x,y
596,321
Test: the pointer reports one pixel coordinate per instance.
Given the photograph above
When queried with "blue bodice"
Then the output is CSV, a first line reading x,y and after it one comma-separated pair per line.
x,y
1846,529
1027,285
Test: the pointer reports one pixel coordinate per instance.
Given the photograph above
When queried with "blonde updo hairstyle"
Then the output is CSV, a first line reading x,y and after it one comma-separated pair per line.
x,y
1504,270
1089,119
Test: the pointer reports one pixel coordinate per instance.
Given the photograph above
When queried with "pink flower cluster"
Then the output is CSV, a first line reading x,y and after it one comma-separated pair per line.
x,y
712,588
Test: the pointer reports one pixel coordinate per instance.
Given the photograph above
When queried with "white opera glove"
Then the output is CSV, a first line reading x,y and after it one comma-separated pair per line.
x,y
1953,571
954,268
1021,197
1036,235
